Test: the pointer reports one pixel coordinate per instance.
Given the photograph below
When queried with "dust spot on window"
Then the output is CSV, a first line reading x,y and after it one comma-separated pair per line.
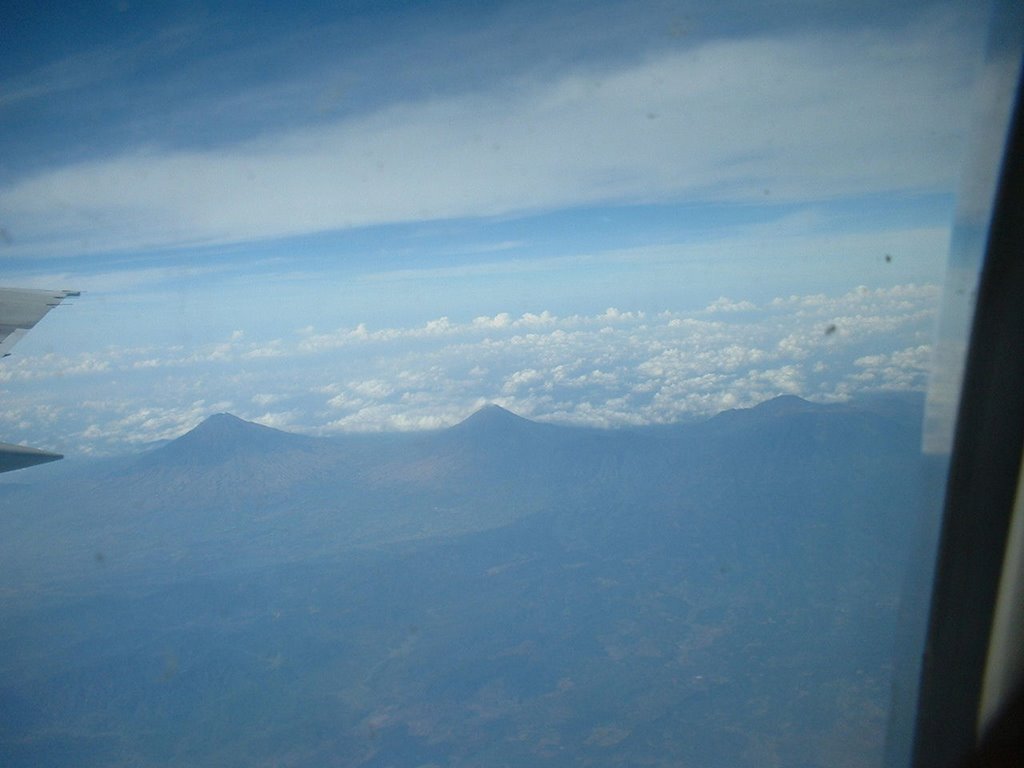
x,y
170,667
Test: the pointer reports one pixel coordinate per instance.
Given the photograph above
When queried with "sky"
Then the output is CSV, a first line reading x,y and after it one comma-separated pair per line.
x,y
383,216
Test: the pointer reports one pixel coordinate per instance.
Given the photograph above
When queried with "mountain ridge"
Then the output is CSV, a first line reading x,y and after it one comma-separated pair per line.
x,y
488,469
488,418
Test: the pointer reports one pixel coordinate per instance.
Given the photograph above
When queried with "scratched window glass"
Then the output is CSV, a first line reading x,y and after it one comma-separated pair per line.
x,y
468,384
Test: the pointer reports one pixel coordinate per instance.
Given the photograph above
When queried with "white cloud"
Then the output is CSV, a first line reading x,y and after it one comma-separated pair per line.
x,y
277,420
899,370
804,117
521,379
723,304
372,388
265,399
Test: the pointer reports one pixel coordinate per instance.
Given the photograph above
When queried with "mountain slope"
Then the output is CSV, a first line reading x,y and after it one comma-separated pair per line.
x,y
233,489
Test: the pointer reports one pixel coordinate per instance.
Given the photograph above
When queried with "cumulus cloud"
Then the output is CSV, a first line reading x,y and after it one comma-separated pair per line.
x,y
897,370
723,304
277,420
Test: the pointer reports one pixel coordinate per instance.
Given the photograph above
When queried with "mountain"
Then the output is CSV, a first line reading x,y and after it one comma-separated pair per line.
x,y
220,438
263,495
499,592
492,420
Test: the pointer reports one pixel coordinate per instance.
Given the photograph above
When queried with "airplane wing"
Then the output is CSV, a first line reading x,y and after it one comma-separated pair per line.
x,y
21,456
20,310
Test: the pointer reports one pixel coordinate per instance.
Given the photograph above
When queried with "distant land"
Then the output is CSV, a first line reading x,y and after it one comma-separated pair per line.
x,y
501,592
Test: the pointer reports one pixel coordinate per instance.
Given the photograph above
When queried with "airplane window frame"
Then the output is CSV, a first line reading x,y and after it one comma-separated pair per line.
x,y
982,484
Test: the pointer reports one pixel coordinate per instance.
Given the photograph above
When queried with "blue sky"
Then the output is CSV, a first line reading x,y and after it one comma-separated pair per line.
x,y
352,219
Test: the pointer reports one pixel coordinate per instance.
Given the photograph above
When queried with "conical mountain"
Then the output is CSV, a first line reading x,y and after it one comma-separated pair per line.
x,y
221,437
493,420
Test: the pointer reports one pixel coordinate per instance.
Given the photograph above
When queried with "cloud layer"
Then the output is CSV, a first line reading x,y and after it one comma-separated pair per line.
x,y
795,117
615,368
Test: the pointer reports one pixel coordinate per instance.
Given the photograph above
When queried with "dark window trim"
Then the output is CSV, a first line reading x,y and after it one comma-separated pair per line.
x,y
982,483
